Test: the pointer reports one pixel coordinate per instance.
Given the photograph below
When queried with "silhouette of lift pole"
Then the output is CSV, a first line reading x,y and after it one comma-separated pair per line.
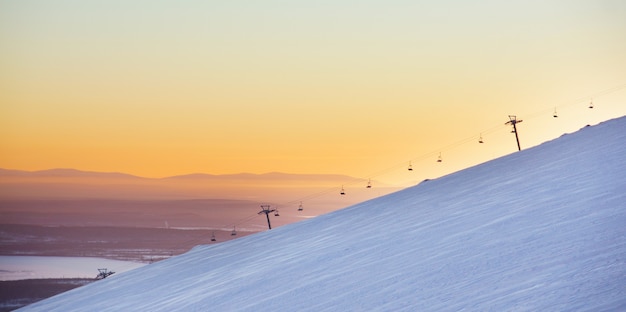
x,y
266,210
513,121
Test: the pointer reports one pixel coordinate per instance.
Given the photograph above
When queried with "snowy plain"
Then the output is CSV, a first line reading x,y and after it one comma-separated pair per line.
x,y
28,267
543,229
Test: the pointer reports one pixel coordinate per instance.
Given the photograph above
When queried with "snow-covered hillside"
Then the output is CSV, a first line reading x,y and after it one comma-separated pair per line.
x,y
543,229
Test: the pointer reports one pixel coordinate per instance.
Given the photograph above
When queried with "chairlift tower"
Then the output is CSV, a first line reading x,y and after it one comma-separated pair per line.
x,y
103,273
513,121
266,210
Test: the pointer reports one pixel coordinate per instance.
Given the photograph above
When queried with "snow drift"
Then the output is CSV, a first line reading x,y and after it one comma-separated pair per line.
x,y
543,229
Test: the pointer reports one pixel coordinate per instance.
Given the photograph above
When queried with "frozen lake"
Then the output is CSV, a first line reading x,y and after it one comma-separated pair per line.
x,y
30,267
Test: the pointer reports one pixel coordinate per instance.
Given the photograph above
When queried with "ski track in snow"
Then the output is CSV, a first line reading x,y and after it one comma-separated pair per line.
x,y
543,229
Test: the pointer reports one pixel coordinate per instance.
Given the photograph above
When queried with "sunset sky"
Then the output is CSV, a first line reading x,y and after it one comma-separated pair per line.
x,y
161,88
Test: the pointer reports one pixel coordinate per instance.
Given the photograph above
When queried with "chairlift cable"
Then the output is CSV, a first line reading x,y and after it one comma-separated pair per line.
x,y
448,147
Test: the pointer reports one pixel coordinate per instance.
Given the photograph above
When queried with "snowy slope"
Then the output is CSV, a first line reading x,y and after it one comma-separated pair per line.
x,y
539,230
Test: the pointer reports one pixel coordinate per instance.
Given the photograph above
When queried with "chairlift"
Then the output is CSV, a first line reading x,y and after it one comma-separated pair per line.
x,y
342,191
555,115
410,166
369,183
234,232
480,139
213,237
439,159
300,208
276,213
591,104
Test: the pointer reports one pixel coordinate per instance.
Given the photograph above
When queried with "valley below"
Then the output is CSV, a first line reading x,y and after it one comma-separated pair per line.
x,y
90,215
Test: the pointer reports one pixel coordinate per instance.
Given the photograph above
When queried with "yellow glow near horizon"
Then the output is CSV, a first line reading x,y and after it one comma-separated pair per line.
x,y
349,87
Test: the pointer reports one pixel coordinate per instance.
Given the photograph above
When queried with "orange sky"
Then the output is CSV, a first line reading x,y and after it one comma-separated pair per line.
x,y
347,87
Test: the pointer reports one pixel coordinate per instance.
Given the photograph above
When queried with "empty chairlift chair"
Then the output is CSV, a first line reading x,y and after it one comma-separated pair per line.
x,y
369,183
300,208
410,167
234,232
343,192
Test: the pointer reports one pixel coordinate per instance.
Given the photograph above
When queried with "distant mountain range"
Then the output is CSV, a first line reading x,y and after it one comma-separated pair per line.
x,y
270,176
273,187
63,172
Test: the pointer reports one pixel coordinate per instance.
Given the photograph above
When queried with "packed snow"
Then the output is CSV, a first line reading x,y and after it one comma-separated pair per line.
x,y
543,229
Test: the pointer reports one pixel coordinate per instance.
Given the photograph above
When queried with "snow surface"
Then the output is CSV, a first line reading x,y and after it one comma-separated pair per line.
x,y
543,229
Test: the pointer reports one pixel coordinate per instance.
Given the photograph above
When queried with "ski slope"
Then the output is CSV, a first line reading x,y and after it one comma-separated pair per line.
x,y
543,229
